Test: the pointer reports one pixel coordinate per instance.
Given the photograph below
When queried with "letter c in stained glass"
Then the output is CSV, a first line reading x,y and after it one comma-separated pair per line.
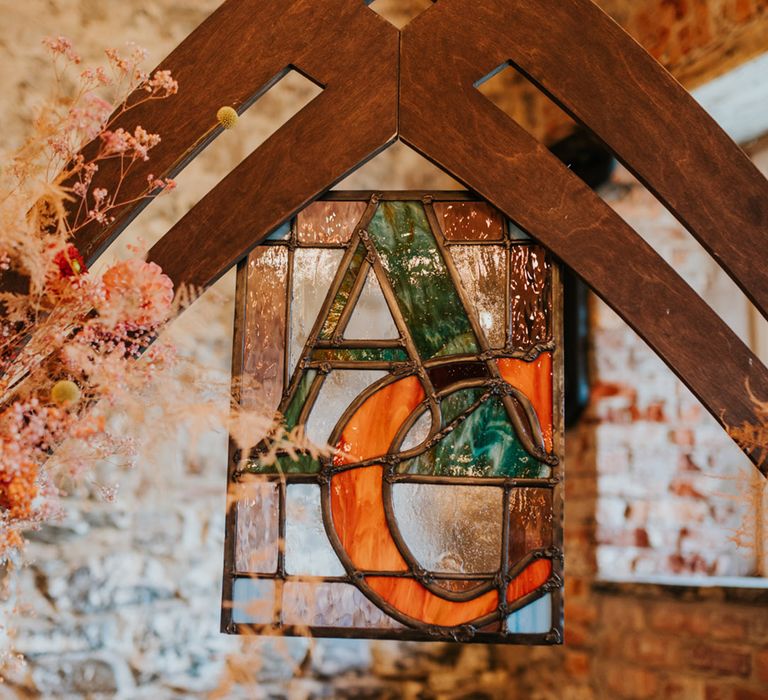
x,y
420,341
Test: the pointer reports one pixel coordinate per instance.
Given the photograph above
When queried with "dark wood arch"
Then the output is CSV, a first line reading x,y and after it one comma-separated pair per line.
x,y
573,50
444,117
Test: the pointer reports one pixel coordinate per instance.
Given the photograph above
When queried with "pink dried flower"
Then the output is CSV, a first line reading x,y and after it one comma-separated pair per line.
x,y
162,84
62,46
137,292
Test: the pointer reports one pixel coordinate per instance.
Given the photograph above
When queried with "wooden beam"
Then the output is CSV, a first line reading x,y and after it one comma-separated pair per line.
x,y
574,49
232,58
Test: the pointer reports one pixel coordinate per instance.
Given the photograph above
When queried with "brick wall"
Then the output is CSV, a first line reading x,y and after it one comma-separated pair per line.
x,y
674,490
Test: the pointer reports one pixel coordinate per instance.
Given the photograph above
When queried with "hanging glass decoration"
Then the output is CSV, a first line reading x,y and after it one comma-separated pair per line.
x,y
418,336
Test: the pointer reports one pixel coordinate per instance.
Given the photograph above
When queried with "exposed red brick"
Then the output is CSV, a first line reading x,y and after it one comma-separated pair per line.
x,y
632,683
578,611
680,688
668,617
577,664
761,665
577,635
731,692
654,650
719,660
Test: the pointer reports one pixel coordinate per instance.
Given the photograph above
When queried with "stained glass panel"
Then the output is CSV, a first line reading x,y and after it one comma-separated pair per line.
x,y
414,340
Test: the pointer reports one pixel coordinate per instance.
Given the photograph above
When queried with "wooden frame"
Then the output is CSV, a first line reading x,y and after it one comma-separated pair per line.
x,y
425,94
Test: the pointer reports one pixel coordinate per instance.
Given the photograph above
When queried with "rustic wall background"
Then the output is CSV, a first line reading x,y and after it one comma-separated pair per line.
x,y
121,599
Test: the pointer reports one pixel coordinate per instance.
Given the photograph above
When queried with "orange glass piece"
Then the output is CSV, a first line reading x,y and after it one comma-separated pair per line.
x,y
417,602
359,518
534,379
356,495
532,577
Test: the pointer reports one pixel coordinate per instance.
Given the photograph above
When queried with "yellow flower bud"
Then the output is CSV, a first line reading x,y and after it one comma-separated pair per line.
x,y
227,117
65,392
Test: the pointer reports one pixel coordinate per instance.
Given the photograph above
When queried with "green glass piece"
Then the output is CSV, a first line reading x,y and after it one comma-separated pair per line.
x,y
361,355
303,464
482,445
342,296
426,296
285,464
293,410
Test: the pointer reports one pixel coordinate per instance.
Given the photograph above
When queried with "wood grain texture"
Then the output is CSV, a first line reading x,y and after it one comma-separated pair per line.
x,y
573,51
231,59
442,115
591,67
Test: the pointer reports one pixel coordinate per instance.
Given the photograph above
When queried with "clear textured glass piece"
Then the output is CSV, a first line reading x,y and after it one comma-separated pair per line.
x,y
534,618
482,269
326,223
253,601
451,529
371,317
313,273
307,549
418,433
263,356
339,389
331,605
256,504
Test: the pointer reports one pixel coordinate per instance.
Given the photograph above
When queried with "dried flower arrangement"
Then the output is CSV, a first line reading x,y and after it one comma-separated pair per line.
x,y
68,338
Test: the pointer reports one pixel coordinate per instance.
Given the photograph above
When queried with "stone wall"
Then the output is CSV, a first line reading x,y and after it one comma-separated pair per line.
x,y
121,599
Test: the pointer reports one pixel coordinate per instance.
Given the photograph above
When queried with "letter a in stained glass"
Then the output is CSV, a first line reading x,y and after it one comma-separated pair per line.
x,y
435,514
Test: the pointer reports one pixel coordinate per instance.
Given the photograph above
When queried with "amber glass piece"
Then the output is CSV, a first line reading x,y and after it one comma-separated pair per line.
x,y
443,376
469,221
534,379
459,585
327,223
530,521
529,297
